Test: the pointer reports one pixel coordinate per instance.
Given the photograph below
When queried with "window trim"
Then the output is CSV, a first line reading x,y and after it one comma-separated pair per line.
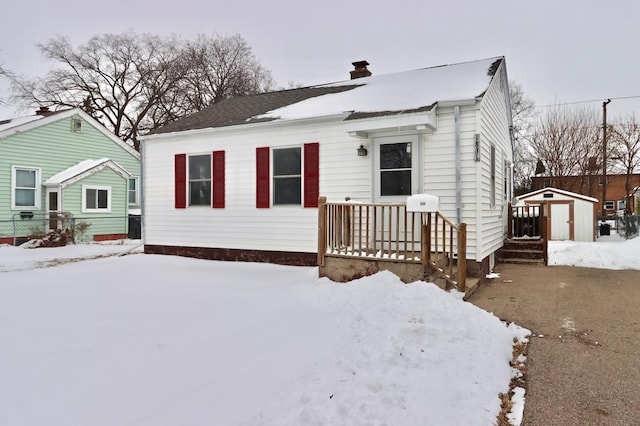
x,y
85,209
273,176
210,180
492,175
136,179
611,204
76,125
38,188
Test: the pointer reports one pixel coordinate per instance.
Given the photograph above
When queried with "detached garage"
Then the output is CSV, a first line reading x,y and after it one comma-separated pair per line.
x,y
570,216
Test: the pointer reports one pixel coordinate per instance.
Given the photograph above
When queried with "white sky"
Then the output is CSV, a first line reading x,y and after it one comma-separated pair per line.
x,y
560,51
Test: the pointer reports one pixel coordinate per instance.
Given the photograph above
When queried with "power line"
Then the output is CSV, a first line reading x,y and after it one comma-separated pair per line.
x,y
586,102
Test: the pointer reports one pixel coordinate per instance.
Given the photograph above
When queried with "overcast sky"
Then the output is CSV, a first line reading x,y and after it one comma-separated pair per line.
x,y
559,50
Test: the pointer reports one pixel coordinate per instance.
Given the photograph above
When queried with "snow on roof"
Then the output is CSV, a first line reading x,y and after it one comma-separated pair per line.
x,y
18,121
557,191
398,91
74,171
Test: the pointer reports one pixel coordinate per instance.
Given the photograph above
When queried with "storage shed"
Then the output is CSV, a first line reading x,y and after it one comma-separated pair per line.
x,y
570,216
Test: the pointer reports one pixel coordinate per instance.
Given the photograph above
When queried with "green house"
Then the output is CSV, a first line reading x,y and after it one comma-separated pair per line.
x,y
64,170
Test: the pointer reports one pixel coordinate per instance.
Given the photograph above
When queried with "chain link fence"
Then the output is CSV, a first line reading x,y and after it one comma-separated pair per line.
x,y
26,226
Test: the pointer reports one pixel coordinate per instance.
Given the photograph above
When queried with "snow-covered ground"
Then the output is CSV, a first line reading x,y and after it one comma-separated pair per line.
x,y
161,340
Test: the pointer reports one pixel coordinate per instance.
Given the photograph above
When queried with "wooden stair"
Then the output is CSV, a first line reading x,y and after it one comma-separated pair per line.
x,y
523,250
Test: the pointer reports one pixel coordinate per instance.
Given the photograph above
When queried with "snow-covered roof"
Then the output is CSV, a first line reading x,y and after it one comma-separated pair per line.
x,y
22,124
397,92
557,191
83,169
18,121
374,96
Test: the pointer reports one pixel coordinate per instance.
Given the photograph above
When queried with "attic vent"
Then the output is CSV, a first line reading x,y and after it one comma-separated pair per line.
x,y
360,70
76,125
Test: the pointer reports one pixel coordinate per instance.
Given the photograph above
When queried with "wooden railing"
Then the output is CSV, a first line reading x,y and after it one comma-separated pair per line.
x,y
525,221
389,232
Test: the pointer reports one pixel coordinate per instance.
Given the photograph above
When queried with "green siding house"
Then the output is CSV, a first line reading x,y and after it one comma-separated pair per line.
x,y
65,170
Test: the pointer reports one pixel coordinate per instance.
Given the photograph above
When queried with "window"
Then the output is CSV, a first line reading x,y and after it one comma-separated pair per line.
x,y
547,182
76,125
25,188
199,180
622,204
96,199
492,183
395,169
601,179
608,205
291,174
287,176
133,191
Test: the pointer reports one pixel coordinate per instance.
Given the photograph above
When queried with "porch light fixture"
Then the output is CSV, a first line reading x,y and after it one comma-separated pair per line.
x,y
362,151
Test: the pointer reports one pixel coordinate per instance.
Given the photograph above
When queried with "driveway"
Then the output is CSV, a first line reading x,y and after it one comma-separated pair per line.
x,y
583,365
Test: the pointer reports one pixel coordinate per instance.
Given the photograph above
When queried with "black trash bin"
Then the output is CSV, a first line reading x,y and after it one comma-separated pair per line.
x,y
605,229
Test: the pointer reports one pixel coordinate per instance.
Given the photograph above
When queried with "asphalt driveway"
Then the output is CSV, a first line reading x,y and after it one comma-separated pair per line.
x,y
583,365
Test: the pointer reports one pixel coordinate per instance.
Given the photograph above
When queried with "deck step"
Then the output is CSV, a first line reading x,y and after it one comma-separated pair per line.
x,y
528,261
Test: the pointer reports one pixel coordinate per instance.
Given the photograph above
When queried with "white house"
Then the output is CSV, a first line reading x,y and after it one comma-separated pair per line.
x,y
240,180
570,216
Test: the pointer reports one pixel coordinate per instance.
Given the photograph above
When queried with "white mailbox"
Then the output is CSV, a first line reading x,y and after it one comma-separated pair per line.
x,y
423,203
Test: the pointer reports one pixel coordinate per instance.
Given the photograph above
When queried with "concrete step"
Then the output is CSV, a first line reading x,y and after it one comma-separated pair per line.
x,y
527,261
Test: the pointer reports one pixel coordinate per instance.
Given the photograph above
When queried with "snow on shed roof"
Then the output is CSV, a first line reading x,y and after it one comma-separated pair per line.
x,y
557,191
377,95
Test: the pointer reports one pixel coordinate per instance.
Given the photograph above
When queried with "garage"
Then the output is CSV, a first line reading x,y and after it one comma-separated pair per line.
x,y
570,216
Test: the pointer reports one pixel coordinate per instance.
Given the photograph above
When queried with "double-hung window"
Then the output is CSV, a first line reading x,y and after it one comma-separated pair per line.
x,y
287,176
395,169
200,180
25,188
96,199
133,190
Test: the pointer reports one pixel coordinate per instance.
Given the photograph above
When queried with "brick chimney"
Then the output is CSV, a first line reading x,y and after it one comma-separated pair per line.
x,y
360,70
44,111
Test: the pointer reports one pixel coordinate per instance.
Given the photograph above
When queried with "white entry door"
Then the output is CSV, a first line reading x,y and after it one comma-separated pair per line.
x,y
560,224
396,168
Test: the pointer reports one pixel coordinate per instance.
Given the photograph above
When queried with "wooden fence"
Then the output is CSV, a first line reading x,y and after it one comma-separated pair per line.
x,y
389,232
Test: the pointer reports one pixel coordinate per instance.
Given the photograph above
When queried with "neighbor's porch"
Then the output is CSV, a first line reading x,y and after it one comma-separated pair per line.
x,y
357,239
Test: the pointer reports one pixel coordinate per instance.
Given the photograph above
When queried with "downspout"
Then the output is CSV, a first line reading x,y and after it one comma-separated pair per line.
x,y
456,120
142,203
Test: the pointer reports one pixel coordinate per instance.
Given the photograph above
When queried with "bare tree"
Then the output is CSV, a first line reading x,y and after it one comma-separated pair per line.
x,y
625,149
523,118
566,141
134,83
6,74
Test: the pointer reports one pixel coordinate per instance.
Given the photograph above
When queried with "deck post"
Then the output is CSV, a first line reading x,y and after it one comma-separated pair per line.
x,y
462,257
510,221
425,243
322,229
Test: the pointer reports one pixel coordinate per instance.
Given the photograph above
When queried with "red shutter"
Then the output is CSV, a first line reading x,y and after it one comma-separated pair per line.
x,y
217,178
263,199
180,181
311,174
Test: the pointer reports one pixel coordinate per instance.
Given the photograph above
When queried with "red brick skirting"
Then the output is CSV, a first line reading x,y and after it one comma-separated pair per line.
x,y
109,237
6,241
237,255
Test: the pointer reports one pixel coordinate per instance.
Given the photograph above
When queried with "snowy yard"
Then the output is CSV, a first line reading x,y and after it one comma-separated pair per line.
x,y
160,340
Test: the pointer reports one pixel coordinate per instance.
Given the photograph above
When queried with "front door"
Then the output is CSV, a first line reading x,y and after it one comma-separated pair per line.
x,y
53,208
396,164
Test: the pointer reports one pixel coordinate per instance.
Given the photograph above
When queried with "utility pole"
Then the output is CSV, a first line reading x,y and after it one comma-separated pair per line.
x,y
604,157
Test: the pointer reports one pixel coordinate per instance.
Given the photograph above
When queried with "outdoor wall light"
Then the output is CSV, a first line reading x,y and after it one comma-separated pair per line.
x,y
362,151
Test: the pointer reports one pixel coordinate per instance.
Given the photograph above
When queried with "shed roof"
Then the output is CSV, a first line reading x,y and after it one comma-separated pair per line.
x,y
377,95
557,191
